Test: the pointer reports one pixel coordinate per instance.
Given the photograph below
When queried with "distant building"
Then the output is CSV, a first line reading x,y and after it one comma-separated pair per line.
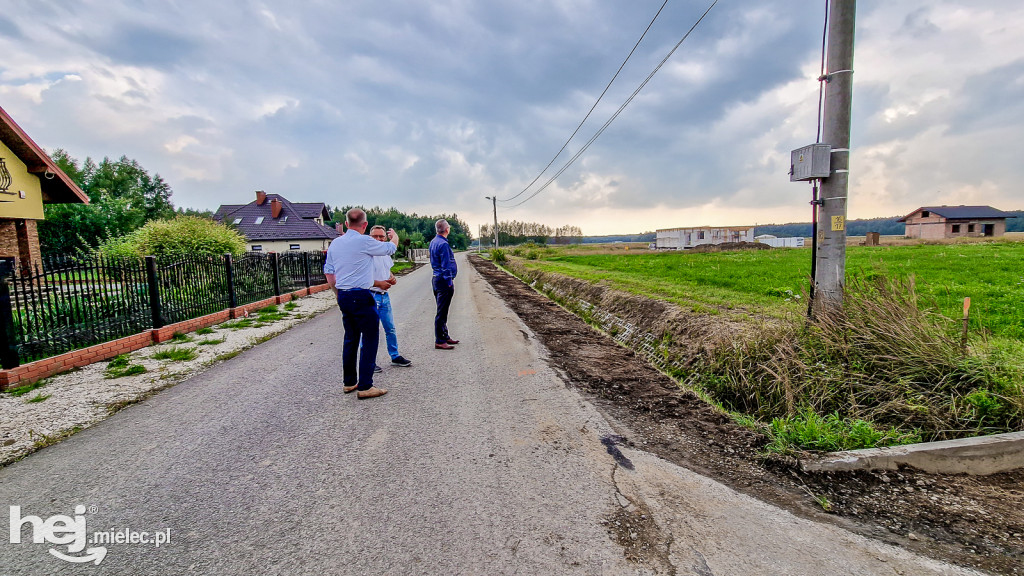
x,y
683,238
28,180
270,223
776,242
937,222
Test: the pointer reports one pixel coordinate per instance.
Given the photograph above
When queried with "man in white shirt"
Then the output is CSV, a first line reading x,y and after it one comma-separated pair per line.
x,y
348,266
382,273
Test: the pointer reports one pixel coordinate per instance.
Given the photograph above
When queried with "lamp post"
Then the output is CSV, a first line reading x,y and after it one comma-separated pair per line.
x,y
494,200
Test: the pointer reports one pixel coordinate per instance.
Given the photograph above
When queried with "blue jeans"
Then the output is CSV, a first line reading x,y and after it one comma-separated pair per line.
x,y
359,317
443,292
387,320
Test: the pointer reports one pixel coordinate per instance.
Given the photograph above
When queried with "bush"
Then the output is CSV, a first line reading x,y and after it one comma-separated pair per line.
x,y
498,256
184,235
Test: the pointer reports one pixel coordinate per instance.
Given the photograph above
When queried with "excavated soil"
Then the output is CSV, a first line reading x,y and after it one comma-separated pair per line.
x,y
975,521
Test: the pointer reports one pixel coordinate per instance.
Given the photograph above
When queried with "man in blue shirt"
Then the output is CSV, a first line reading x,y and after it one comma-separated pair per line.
x,y
348,266
442,260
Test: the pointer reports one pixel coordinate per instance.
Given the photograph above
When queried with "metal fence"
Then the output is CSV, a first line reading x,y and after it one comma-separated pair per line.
x,y
73,302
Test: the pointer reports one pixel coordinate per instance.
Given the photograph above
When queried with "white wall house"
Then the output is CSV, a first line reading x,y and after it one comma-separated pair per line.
x,y
683,238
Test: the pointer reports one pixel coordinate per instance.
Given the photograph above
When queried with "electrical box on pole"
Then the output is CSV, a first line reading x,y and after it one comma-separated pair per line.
x,y
810,162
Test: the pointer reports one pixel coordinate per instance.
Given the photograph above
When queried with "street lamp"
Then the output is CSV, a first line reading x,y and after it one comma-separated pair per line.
x,y
494,200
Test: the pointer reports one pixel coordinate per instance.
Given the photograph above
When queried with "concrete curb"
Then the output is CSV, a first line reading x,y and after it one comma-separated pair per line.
x,y
978,456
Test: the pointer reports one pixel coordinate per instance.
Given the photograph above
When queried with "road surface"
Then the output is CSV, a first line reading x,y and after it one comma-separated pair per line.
x,y
479,461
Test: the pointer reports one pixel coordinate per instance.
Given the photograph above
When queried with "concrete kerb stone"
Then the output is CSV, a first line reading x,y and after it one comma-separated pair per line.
x,y
979,456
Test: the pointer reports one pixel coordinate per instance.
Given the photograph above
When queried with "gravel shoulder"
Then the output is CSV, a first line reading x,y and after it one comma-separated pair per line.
x,y
971,521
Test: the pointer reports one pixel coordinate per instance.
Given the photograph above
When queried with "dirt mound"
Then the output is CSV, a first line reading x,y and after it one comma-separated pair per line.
x,y
726,246
972,521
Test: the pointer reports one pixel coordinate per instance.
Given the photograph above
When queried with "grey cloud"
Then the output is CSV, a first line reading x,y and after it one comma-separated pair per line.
x,y
10,29
144,46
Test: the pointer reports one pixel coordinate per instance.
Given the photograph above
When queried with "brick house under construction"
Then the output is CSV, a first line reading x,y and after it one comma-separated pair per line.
x,y
28,179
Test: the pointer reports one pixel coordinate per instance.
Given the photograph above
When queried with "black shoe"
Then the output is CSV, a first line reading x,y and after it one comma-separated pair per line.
x,y
377,369
401,361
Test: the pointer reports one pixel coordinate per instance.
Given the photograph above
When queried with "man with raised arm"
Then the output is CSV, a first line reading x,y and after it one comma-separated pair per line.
x,y
349,268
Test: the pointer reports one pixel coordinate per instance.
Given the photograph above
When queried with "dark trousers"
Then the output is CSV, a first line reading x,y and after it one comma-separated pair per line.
x,y
359,317
443,292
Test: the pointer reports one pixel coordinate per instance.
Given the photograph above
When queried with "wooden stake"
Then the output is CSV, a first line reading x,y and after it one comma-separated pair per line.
x,y
963,335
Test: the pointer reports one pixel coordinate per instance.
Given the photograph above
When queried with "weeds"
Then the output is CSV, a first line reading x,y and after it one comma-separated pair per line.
x,y
884,360
237,324
38,398
211,341
181,338
290,305
204,331
25,389
120,366
498,256
177,354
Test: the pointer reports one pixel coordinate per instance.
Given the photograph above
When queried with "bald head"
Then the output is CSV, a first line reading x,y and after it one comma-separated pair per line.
x,y
355,218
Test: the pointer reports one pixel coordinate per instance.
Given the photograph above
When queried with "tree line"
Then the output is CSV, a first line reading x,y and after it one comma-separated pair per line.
x,y
516,232
414,231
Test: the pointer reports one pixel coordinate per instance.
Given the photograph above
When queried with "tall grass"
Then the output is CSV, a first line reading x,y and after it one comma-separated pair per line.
x,y
884,360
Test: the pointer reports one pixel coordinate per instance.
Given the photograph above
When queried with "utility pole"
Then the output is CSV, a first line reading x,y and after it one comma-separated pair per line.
x,y
830,268
494,199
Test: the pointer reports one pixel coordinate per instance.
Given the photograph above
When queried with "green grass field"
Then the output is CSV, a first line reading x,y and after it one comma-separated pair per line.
x,y
771,281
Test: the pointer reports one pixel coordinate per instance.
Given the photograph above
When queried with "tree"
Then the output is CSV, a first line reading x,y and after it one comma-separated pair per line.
x,y
516,232
414,231
122,195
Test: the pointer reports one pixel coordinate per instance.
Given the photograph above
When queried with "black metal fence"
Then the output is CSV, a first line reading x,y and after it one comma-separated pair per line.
x,y
74,302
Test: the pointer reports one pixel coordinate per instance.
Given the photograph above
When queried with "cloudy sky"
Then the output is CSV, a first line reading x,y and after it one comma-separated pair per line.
x,y
431,106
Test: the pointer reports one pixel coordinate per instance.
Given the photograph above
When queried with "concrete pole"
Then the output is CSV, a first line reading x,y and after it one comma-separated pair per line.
x,y
830,271
495,201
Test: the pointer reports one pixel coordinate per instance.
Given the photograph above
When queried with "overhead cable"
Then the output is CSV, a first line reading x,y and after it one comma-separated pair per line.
x,y
562,149
617,112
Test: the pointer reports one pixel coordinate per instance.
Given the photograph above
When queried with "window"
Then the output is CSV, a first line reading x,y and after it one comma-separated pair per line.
x,y
925,213
700,235
283,220
238,221
294,247
259,220
956,228
970,227
257,248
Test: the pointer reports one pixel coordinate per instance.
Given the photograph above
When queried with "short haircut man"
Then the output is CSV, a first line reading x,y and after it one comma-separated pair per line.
x,y
442,261
348,266
382,274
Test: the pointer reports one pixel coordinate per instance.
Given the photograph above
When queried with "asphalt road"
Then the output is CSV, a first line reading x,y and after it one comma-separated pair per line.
x,y
479,461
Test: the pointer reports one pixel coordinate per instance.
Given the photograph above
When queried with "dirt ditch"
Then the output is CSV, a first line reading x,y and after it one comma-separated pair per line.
x,y
971,521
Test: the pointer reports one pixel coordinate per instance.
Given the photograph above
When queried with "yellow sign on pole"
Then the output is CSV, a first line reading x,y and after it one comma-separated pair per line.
x,y
838,224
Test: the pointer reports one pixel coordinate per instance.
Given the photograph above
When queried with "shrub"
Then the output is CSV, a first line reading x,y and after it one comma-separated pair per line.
x,y
498,256
184,235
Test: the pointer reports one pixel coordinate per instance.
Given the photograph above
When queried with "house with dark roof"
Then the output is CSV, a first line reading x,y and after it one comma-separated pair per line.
x,y
937,222
28,180
271,223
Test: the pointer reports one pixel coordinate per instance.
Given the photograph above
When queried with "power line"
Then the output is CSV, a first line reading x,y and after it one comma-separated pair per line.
x,y
562,149
617,112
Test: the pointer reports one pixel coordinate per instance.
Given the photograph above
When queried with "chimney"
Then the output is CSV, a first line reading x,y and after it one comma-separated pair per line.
x,y
339,227
275,208
261,197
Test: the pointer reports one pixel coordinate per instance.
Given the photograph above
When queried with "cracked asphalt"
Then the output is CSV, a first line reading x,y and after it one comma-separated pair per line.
x,y
480,460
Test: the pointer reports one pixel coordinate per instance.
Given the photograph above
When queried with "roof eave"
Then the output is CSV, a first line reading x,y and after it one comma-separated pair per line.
x,y
56,186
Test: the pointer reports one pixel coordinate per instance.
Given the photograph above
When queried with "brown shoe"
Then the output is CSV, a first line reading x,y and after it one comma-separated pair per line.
x,y
348,389
443,346
372,392
450,341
